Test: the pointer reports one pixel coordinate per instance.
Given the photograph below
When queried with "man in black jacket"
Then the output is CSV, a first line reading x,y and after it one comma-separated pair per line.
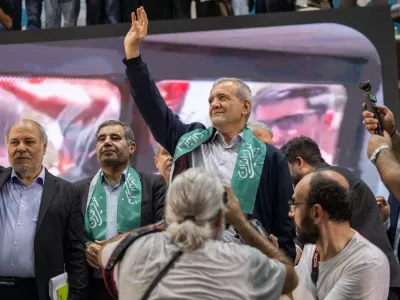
x,y
117,199
257,172
304,156
41,222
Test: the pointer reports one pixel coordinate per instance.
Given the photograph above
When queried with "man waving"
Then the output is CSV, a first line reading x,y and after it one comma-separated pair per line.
x,y
257,172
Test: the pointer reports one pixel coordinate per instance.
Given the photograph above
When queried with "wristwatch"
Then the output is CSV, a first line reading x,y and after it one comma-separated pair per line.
x,y
376,152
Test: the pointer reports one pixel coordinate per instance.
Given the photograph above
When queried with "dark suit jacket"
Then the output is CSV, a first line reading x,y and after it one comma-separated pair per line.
x,y
154,189
59,236
366,218
394,217
275,188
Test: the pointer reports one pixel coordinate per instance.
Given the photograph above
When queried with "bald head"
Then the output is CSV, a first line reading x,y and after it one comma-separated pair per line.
x,y
26,146
328,175
32,124
330,190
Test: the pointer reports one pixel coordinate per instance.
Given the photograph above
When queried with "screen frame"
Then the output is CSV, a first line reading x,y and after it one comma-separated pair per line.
x,y
381,34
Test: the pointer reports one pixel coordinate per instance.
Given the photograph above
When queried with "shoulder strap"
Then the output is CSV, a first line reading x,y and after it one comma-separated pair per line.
x,y
161,275
118,254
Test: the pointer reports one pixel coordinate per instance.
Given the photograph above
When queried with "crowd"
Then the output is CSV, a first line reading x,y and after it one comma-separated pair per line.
x,y
35,14
229,217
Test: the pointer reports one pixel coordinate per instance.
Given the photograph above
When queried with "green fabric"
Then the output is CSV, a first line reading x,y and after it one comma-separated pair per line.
x,y
129,207
249,164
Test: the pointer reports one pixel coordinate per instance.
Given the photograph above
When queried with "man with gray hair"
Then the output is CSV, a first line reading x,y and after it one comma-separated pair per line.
x,y
207,268
257,172
117,199
40,218
262,131
163,162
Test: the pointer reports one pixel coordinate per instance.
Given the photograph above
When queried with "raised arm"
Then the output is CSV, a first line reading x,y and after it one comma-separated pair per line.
x,y
386,162
235,217
163,123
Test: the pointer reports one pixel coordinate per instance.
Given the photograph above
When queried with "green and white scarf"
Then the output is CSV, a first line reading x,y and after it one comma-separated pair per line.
x,y
129,206
249,164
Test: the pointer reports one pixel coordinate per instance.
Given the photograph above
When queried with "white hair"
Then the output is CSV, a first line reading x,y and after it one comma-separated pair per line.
x,y
193,202
256,124
243,91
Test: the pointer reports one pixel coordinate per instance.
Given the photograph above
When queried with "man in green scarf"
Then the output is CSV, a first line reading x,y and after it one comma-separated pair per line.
x,y
117,199
257,172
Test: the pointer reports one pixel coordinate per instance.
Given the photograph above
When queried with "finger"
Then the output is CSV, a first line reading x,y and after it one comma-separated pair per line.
x,y
141,19
133,16
145,22
367,114
371,127
101,242
227,188
93,251
92,258
382,109
92,264
137,27
364,106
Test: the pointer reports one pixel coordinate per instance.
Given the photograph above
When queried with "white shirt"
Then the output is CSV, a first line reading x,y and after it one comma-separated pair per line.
x,y
217,270
217,156
360,271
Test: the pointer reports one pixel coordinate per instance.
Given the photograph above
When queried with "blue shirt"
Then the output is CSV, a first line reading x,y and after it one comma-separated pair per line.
x,y
112,193
19,209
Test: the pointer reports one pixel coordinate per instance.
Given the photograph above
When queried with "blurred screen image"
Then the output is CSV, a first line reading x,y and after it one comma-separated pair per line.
x,y
70,109
304,82
290,110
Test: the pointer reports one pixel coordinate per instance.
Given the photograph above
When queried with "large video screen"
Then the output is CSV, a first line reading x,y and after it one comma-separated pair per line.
x,y
304,82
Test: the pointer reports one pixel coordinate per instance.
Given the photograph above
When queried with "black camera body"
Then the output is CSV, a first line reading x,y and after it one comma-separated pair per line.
x,y
370,100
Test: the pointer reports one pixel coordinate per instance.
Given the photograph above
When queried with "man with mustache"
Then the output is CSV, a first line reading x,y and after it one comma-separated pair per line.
x,y
257,172
163,162
41,222
337,261
117,199
304,157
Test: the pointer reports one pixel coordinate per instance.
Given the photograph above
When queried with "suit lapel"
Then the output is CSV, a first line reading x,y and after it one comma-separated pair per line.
x,y
49,189
4,176
85,196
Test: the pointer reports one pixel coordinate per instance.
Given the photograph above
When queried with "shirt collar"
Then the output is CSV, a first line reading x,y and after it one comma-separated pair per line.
x,y
39,179
218,137
122,179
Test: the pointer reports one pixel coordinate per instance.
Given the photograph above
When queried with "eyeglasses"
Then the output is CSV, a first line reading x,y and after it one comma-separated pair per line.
x,y
292,205
291,121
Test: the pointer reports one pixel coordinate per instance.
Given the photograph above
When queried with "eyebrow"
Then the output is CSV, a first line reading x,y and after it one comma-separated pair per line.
x,y
111,134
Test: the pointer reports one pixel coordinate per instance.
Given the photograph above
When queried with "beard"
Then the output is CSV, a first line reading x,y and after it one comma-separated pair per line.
x,y
22,169
309,233
296,177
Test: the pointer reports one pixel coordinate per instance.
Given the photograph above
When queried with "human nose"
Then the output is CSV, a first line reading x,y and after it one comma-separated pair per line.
x,y
107,141
21,147
215,103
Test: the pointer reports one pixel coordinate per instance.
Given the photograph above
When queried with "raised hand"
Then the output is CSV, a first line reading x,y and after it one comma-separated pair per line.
x,y
383,207
136,33
385,115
